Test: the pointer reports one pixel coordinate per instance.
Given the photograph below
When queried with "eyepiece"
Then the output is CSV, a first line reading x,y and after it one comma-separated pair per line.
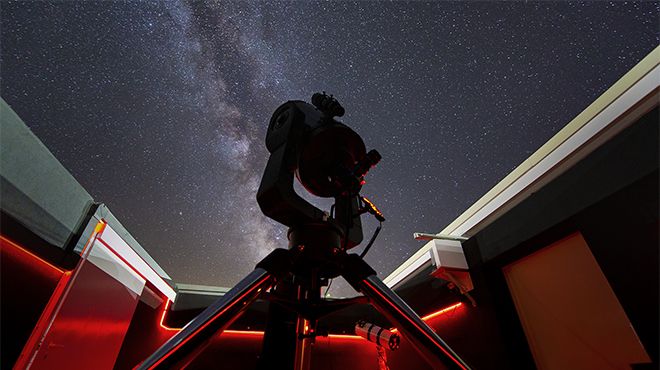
x,y
328,105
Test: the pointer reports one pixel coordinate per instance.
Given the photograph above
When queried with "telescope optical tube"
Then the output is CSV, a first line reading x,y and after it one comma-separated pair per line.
x,y
378,335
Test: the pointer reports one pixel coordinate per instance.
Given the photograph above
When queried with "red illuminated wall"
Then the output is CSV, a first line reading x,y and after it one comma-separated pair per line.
x,y
89,311
240,349
144,335
27,284
88,319
90,324
236,349
449,323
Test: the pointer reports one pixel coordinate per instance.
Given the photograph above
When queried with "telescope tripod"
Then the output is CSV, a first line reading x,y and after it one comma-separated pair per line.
x,y
294,277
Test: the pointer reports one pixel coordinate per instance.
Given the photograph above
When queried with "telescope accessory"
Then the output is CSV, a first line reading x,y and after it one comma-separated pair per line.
x,y
378,335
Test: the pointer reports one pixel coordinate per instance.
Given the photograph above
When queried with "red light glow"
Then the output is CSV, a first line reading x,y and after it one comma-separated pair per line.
x,y
443,311
430,316
98,229
344,336
204,325
244,332
387,300
26,255
162,317
338,336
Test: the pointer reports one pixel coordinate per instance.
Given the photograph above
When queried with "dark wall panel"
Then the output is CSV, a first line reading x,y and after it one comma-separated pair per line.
x,y
611,197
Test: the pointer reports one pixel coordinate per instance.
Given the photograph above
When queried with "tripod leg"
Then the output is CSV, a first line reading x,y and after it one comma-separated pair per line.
x,y
436,352
280,337
214,319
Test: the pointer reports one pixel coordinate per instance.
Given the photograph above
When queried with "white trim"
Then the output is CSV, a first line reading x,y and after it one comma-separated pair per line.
x,y
106,260
449,254
392,281
111,238
608,115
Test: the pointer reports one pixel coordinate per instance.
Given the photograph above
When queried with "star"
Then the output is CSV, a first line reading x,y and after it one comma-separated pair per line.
x,y
161,108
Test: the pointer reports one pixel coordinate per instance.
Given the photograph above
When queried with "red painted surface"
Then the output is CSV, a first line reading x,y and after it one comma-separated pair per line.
x,y
97,324
42,326
144,335
27,286
90,324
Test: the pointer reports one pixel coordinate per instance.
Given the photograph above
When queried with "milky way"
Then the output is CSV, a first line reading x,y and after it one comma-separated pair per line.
x,y
160,109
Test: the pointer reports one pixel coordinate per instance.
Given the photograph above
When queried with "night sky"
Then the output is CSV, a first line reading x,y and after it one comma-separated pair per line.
x,y
160,109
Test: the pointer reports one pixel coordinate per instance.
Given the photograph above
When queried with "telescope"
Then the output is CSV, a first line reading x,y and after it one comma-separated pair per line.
x,y
329,160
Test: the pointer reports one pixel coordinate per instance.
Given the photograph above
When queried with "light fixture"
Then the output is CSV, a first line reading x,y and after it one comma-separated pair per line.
x,y
425,236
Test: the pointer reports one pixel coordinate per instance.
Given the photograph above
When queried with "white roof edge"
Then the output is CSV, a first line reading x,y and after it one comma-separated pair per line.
x,y
109,237
578,138
412,267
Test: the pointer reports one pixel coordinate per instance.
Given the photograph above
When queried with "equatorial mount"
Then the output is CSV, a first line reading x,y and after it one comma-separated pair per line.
x,y
330,160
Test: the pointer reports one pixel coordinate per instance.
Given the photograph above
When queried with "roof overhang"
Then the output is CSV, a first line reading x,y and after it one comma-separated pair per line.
x,y
627,100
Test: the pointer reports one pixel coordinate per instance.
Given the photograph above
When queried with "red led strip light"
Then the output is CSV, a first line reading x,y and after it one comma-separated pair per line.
x,y
366,282
29,255
162,318
345,336
436,313
207,323
444,310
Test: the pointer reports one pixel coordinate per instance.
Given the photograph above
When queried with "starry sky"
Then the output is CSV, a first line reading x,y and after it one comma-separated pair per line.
x,y
160,109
